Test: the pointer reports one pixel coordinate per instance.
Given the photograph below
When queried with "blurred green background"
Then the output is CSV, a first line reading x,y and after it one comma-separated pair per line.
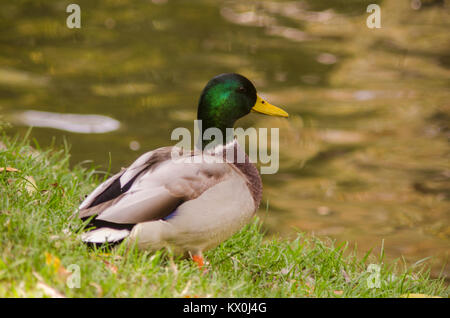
x,y
364,155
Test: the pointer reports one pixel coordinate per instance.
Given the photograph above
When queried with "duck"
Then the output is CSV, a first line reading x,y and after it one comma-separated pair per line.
x,y
189,203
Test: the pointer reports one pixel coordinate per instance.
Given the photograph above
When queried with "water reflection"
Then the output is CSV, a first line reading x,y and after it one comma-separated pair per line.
x,y
77,123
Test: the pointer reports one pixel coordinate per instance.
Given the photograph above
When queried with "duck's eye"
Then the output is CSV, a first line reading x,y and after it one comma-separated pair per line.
x,y
241,89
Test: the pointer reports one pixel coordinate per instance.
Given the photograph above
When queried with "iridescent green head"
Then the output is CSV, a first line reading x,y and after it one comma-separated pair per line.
x,y
228,97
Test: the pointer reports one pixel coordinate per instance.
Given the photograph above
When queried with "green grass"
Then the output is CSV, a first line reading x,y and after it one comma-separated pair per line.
x,y
39,242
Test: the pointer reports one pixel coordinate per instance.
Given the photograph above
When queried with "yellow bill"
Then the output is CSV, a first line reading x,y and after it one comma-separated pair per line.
x,y
263,107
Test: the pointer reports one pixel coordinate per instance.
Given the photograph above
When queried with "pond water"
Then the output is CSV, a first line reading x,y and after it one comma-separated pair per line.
x,y
364,155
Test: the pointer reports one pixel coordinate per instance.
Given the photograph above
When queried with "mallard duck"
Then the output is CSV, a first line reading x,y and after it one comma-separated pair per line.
x,y
187,205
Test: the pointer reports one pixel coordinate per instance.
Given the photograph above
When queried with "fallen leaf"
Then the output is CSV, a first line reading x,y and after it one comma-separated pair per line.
x,y
55,263
9,169
49,291
111,267
52,261
98,288
30,185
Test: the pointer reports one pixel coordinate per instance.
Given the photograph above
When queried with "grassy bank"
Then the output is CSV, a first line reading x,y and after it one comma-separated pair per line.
x,y
40,250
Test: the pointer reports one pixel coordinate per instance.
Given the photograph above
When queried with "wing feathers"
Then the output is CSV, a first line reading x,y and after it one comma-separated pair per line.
x,y
140,206
99,208
137,167
152,188
98,191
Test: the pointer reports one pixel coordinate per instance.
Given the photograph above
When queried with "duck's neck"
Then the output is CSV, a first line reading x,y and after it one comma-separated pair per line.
x,y
229,151
212,133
